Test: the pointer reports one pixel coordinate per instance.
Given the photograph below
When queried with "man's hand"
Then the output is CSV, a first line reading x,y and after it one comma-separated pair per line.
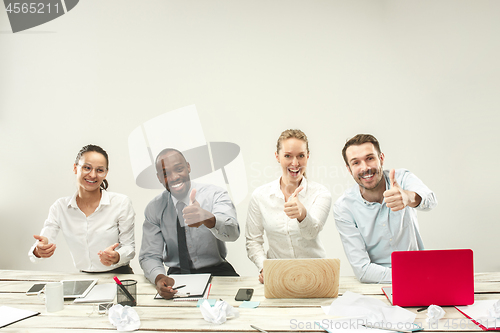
x,y
43,249
261,276
396,198
109,256
294,209
164,286
194,215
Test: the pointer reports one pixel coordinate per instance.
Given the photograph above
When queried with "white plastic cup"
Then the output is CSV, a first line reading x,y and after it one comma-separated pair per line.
x,y
54,296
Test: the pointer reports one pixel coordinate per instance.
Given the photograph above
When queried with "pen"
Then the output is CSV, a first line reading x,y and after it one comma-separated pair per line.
x,y
179,287
421,309
125,291
258,329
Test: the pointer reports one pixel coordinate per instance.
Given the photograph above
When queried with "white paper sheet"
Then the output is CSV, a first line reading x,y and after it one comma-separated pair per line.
x,y
196,285
370,309
10,315
479,311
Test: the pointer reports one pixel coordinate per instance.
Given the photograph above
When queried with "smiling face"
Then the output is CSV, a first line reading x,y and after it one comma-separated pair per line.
x,y
293,157
173,172
365,165
90,171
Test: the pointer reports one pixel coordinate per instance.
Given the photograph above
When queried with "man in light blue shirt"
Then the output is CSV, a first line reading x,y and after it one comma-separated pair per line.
x,y
378,215
185,226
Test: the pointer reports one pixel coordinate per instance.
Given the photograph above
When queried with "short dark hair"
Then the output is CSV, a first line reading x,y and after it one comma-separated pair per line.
x,y
359,140
163,152
97,149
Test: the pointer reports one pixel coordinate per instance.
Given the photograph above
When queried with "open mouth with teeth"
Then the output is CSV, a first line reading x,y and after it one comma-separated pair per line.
x,y
91,181
176,187
294,172
368,176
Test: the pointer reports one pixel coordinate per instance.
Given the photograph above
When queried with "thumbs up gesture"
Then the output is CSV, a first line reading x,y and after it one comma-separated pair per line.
x,y
195,216
396,198
294,209
43,249
109,256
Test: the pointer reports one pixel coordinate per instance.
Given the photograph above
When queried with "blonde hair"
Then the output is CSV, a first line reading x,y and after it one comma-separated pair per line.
x,y
292,133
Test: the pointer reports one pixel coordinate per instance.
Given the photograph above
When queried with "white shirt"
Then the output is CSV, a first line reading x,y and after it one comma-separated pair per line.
x,y
112,222
288,238
370,231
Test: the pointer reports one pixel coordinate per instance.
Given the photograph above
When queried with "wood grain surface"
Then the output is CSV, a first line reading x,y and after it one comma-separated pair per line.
x,y
301,278
273,315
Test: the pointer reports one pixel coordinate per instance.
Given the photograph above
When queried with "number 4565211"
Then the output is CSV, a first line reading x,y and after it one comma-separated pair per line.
x,y
32,7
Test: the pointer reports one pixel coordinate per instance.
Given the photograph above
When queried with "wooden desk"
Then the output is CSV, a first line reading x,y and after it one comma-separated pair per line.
x,y
275,315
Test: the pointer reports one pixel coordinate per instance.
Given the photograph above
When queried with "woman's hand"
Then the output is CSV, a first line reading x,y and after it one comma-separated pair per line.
x,y
261,276
43,249
294,209
109,256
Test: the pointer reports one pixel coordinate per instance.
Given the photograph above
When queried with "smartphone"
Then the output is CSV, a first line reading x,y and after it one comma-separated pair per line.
x,y
244,294
35,289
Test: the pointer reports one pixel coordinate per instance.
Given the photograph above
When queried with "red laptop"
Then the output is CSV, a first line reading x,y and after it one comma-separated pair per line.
x,y
440,277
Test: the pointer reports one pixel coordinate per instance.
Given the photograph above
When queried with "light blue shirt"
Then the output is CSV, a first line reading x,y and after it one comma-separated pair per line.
x,y
206,246
370,231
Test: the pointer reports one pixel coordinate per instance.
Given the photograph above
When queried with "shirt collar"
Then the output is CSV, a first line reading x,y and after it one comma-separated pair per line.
x,y
72,202
185,199
370,203
276,188
104,200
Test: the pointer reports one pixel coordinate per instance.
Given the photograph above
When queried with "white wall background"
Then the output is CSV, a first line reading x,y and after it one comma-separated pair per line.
x,y
422,76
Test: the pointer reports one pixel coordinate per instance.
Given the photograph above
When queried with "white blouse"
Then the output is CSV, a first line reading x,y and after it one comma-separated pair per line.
x,y
287,237
112,222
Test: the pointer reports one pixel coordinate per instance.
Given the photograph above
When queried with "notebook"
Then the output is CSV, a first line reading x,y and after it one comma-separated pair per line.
x,y
440,277
301,278
196,287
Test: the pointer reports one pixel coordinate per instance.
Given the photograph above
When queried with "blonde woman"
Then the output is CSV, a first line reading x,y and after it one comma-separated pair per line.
x,y
291,210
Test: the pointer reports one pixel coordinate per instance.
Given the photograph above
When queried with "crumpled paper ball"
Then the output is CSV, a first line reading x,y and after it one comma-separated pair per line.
x,y
219,313
494,311
124,318
434,313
